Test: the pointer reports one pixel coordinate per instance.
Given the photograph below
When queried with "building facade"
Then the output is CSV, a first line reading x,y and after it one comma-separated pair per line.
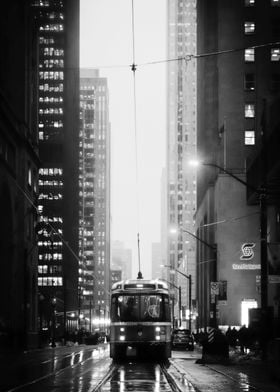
x,y
58,133
19,164
121,259
231,87
94,190
181,145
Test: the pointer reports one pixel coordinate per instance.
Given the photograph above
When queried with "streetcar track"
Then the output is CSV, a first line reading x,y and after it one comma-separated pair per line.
x,y
163,381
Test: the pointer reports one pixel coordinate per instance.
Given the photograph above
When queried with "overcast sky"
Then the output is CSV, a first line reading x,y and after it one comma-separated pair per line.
x,y
106,40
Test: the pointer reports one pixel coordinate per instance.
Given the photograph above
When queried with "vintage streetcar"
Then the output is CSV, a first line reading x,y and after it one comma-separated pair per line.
x,y
140,319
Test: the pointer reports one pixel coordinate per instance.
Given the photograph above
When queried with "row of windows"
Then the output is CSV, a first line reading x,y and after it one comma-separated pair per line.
x,y
50,183
48,136
48,219
51,269
57,111
86,194
84,97
50,256
249,55
50,244
51,124
50,171
46,41
58,99
56,88
51,51
54,15
50,281
52,75
50,196
87,87
52,27
52,63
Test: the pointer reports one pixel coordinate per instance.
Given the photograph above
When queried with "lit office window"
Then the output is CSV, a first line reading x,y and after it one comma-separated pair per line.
x,y
275,54
249,138
275,3
249,27
249,110
249,55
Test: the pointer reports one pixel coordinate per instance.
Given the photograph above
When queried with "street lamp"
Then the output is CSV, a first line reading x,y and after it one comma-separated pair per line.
x,y
180,301
189,277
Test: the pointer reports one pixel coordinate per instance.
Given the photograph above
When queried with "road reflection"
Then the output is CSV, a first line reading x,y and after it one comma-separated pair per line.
x,y
138,377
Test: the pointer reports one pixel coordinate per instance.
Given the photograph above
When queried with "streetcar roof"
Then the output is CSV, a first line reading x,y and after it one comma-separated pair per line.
x,y
140,284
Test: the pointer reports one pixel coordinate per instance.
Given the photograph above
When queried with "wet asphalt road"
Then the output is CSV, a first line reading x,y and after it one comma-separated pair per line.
x,y
89,368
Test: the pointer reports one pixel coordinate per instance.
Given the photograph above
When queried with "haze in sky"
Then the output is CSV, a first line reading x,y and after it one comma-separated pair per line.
x,y
106,43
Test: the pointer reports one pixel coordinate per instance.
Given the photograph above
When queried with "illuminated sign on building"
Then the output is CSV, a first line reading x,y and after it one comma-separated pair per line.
x,y
247,253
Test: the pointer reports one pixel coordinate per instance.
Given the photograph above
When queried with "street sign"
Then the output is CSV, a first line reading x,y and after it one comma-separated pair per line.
x,y
214,288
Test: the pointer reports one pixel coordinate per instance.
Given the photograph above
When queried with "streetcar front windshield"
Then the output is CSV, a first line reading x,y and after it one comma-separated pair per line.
x,y
134,307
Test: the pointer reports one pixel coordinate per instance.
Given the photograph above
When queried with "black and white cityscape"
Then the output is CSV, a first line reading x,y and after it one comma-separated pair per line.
x,y
74,315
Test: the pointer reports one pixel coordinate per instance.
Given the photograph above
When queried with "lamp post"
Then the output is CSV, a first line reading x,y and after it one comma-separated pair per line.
x,y
214,276
189,277
180,301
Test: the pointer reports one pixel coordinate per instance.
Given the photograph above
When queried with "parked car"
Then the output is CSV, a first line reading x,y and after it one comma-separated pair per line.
x,y
182,338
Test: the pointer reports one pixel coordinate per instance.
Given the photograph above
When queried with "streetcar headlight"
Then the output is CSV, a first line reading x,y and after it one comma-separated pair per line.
x,y
157,329
157,337
122,329
122,337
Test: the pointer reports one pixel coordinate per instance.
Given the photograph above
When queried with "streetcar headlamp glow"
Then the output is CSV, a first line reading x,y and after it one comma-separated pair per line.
x,y
122,337
157,337
122,329
157,329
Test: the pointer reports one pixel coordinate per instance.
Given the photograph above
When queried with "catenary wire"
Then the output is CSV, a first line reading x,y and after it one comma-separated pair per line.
x,y
133,69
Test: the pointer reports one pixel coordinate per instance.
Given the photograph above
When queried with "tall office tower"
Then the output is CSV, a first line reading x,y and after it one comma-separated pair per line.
x,y
94,187
156,260
19,166
122,259
58,30
181,143
233,85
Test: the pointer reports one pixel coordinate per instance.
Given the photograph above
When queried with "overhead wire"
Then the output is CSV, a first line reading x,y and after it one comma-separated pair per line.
x,y
133,69
187,56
